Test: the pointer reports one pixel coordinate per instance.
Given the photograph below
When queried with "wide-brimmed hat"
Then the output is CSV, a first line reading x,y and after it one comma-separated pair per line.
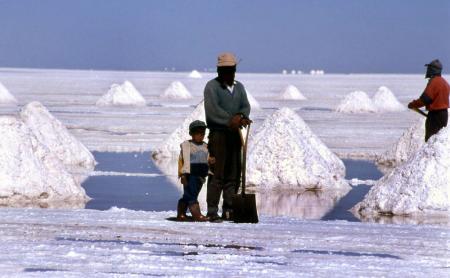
x,y
226,59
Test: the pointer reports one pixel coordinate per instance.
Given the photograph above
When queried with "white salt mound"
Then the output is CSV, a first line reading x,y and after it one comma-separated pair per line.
x,y
254,104
171,146
125,94
292,93
5,96
29,172
385,100
176,90
420,186
54,135
356,102
285,153
411,140
195,74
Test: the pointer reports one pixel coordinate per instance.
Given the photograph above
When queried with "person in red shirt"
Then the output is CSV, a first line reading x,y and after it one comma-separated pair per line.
x,y
435,99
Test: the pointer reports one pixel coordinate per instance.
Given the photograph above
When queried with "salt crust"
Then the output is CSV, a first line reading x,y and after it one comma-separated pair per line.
x,y
176,90
30,173
54,135
285,153
419,186
171,146
385,101
195,74
291,93
122,95
5,96
410,141
254,104
356,102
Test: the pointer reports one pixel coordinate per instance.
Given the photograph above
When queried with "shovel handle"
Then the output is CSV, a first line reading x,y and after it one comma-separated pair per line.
x,y
244,157
420,112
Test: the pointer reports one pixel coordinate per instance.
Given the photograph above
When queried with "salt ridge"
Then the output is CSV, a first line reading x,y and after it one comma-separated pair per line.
x,y
195,74
5,96
356,102
385,100
176,90
292,93
125,94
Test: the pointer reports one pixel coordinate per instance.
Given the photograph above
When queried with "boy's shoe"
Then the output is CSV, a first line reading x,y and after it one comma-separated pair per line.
x,y
227,215
181,211
196,213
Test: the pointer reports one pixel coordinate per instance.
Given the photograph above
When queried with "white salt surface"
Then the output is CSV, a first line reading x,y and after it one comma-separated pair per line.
x,y
171,146
356,102
176,90
254,104
285,153
195,74
385,100
54,135
411,140
124,243
292,93
125,94
419,186
5,96
30,174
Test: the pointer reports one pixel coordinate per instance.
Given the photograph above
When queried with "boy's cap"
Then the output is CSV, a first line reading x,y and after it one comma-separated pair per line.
x,y
196,124
226,59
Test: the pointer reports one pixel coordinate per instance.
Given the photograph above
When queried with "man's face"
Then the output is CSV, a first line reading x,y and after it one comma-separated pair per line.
x,y
227,74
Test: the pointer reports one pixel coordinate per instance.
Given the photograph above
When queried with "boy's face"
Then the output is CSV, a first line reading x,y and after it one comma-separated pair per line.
x,y
198,135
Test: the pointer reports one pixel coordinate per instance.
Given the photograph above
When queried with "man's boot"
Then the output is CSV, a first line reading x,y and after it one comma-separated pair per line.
x,y
181,210
196,213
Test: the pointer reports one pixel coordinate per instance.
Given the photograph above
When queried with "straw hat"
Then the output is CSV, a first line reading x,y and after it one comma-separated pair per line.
x,y
226,59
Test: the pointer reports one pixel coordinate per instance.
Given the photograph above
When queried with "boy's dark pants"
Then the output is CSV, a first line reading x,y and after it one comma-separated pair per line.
x,y
192,189
225,147
435,121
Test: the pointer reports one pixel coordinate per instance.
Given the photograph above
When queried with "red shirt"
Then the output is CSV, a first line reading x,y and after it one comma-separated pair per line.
x,y
438,90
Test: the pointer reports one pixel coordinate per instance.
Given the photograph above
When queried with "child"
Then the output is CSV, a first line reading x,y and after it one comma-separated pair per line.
x,y
192,170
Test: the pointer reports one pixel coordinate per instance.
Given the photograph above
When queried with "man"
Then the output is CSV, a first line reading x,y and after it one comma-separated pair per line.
x,y
227,109
435,98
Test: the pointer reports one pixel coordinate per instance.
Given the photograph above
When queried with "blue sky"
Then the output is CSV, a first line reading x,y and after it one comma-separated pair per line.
x,y
358,36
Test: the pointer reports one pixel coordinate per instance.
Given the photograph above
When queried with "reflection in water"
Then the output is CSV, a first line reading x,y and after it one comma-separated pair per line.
x,y
405,219
305,205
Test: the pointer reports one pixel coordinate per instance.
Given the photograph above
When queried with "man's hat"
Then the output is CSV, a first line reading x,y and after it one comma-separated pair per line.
x,y
196,124
435,64
226,59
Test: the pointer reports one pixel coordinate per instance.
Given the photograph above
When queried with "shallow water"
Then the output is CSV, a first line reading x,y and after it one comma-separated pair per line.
x,y
158,193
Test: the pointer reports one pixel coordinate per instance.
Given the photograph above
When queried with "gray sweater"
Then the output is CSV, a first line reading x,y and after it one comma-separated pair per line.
x,y
221,105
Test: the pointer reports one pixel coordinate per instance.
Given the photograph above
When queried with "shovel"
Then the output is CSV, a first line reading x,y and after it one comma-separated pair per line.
x,y
420,112
244,205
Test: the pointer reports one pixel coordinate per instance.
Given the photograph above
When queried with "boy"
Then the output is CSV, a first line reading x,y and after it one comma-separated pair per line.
x,y
192,171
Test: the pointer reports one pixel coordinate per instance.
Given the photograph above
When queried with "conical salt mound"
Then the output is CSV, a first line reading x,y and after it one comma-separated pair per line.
x,y
407,145
171,146
356,102
286,154
31,175
5,96
384,100
176,90
254,104
122,95
419,186
195,74
291,93
52,133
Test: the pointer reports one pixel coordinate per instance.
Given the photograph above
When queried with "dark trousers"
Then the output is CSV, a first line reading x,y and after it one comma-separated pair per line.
x,y
192,189
225,146
435,121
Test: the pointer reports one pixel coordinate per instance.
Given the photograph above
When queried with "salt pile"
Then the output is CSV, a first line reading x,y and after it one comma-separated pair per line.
x,y
292,93
195,74
5,96
171,146
254,104
176,90
356,102
420,186
385,100
125,94
54,135
30,173
285,153
407,145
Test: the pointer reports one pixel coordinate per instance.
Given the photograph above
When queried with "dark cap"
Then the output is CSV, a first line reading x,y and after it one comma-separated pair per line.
x,y
435,64
196,124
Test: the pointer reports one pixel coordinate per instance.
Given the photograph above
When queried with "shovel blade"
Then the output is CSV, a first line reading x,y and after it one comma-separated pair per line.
x,y
244,208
